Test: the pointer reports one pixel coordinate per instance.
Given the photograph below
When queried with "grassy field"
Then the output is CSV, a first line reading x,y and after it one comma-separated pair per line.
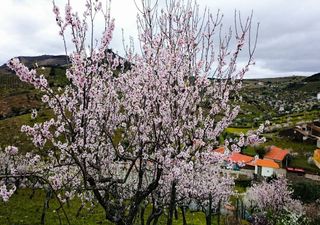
x,y
11,134
293,146
297,117
237,130
300,162
21,209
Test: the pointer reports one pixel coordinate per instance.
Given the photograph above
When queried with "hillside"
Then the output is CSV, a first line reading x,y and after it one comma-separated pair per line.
x,y
314,77
42,60
284,101
17,97
280,100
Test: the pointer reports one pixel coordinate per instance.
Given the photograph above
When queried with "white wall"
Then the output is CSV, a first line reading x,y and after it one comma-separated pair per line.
x,y
265,171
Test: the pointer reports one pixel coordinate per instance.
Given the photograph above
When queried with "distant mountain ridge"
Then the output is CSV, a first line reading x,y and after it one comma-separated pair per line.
x,y
41,61
54,60
44,60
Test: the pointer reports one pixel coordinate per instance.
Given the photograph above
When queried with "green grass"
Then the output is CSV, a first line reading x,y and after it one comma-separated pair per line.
x,y
11,134
236,130
301,162
249,150
25,207
294,146
297,117
23,210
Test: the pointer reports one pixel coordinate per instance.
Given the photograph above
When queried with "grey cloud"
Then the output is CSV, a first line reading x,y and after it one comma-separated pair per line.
x,y
289,37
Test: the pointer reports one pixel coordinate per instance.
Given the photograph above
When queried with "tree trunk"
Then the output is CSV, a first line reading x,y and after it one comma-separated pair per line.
x,y
172,203
209,212
45,206
184,221
219,207
155,222
121,222
143,208
237,210
155,214
176,215
154,217
79,210
243,210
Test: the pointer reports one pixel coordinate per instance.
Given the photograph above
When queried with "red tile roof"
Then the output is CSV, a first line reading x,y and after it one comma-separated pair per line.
x,y
238,157
264,163
235,156
276,153
219,150
248,160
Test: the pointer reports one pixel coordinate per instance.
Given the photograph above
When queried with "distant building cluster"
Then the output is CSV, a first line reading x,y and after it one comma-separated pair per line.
x,y
273,162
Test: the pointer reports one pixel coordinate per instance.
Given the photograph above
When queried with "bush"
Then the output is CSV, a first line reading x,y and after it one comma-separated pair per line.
x,y
306,192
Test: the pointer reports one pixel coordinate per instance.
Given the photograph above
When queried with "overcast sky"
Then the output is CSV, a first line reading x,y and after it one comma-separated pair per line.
x,y
289,37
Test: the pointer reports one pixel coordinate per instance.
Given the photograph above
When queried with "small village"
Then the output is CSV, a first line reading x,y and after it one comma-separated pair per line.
x,y
275,161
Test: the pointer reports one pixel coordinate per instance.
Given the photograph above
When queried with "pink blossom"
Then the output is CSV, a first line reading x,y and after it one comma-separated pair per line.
x,y
5,194
11,150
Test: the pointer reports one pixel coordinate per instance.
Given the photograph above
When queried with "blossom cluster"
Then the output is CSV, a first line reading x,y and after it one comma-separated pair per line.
x,y
274,197
6,194
27,75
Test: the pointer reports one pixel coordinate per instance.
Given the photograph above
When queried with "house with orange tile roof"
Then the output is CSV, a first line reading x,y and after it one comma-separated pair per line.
x,y
219,150
278,155
237,158
241,159
264,167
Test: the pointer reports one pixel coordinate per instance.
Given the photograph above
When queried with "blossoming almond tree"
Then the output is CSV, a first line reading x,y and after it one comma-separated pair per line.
x,y
274,200
121,133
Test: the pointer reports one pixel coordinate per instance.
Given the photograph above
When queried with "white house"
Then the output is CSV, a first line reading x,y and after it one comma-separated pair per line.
x,y
265,167
318,96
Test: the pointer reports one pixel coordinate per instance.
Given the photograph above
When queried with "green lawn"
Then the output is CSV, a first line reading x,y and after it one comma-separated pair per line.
x,y
23,210
249,150
294,146
237,130
301,162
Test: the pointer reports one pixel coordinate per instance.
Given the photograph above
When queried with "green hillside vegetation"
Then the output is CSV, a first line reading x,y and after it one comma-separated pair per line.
x,y
18,98
26,207
262,100
277,98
